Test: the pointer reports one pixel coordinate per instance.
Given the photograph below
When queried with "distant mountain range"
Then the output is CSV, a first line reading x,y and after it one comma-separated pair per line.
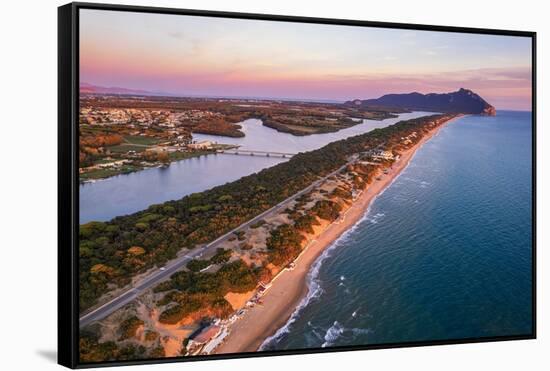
x,y
460,101
95,89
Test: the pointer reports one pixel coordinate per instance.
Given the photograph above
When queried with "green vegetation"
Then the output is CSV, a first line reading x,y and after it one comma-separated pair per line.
x,y
240,235
284,244
301,125
92,350
163,230
304,223
327,210
197,265
128,327
184,155
341,193
141,140
132,143
137,165
157,352
151,335
124,148
221,126
109,172
192,291
245,246
221,256
258,224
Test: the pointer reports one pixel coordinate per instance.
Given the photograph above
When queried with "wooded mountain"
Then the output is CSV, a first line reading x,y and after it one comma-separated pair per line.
x,y
461,101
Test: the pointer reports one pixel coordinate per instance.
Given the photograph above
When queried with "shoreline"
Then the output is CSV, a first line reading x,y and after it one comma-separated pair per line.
x,y
138,168
290,291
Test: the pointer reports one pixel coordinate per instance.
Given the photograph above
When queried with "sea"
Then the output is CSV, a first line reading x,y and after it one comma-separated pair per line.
x,y
445,252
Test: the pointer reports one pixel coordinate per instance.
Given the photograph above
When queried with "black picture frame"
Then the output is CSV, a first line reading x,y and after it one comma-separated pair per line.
x,y
68,185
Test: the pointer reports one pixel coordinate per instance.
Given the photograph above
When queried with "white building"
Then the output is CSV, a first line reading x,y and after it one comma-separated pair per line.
x,y
385,155
205,144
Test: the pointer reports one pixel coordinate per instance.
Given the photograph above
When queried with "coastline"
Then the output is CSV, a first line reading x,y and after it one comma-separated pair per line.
x,y
114,172
288,291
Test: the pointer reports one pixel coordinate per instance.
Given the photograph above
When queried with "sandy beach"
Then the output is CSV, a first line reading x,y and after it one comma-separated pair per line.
x,y
290,287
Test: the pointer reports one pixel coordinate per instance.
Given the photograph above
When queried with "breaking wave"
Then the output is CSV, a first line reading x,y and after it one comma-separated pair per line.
x,y
332,334
313,282
337,331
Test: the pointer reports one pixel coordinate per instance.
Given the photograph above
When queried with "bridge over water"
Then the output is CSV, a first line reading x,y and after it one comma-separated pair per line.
x,y
228,151
253,152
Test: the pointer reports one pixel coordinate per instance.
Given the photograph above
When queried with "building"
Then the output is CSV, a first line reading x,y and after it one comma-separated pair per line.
x,y
205,144
206,334
263,287
384,155
215,342
112,164
198,339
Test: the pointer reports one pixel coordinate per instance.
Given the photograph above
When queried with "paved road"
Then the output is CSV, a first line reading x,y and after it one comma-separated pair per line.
x,y
180,262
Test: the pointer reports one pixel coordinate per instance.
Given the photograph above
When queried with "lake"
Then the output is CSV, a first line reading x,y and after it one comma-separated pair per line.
x,y
125,194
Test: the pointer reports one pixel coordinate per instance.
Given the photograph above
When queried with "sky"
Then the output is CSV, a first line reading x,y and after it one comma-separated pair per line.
x,y
193,55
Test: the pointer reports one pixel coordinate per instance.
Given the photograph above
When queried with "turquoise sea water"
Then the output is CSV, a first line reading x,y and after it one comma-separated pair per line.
x,y
443,253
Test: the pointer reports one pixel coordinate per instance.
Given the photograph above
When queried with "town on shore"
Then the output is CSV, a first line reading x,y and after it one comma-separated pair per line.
x,y
124,134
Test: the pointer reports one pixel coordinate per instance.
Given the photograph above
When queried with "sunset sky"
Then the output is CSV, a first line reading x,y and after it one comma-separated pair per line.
x,y
189,55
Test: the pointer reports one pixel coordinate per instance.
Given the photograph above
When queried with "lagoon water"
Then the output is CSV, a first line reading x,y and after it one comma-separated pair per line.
x,y
128,193
443,253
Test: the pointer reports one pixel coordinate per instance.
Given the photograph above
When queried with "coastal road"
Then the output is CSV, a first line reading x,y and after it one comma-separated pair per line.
x,y
180,262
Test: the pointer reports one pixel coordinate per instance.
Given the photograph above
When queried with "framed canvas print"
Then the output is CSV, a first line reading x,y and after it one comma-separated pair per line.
x,y
236,185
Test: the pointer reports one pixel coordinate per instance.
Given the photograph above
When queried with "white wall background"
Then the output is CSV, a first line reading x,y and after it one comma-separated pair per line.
x,y
28,151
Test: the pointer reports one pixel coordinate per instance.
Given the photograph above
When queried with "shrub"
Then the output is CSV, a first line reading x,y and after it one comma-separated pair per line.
x,y
128,327
197,265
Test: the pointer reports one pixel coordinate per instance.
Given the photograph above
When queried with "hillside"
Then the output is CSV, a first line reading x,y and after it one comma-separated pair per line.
x,y
461,101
